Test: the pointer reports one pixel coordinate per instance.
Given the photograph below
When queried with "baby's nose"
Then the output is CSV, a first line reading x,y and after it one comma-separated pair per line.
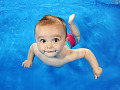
x,y
49,46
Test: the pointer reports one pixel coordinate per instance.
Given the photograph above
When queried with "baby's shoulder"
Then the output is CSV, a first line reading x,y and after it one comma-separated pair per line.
x,y
36,50
34,46
72,54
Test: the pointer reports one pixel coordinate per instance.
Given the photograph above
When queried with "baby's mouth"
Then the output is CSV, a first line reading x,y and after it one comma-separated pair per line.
x,y
50,51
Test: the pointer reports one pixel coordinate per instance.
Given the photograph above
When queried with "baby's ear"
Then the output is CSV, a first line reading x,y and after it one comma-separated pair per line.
x,y
66,40
35,37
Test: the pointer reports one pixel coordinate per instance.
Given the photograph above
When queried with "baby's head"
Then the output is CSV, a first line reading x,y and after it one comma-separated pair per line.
x,y
51,35
49,20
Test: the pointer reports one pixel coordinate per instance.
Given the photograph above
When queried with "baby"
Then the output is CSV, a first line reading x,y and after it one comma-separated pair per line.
x,y
53,44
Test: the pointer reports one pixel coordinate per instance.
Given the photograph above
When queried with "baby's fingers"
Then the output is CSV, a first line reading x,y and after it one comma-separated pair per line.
x,y
95,76
26,66
23,64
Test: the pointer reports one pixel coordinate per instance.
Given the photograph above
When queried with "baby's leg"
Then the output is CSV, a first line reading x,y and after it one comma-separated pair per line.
x,y
73,27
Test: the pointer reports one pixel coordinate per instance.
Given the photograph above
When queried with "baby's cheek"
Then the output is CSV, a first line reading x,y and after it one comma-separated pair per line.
x,y
40,46
60,46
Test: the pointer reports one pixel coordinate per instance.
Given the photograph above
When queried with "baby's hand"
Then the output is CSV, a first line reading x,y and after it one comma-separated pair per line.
x,y
97,72
27,63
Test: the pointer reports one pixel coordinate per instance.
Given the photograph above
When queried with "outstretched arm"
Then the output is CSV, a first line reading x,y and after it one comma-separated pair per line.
x,y
90,57
27,63
31,54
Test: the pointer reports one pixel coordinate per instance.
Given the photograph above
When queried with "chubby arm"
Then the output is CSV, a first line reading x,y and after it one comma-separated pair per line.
x,y
27,63
90,57
31,53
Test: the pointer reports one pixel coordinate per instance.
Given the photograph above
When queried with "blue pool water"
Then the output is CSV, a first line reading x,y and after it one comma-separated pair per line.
x,y
98,22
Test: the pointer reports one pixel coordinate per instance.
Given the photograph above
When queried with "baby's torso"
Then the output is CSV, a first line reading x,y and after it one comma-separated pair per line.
x,y
52,61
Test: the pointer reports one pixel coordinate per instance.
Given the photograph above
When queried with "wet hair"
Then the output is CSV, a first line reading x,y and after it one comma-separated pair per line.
x,y
52,20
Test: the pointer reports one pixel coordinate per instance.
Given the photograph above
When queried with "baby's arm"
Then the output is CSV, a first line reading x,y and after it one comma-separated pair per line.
x,y
90,57
27,63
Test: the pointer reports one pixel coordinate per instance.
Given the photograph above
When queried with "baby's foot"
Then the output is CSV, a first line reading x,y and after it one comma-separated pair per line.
x,y
71,19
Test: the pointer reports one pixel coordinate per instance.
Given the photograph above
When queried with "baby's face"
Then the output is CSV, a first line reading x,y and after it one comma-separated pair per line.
x,y
50,39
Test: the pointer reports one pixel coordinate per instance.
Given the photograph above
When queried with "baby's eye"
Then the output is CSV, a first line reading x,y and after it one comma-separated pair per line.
x,y
56,40
42,40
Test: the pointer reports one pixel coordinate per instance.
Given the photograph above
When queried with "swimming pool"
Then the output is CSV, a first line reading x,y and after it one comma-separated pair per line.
x,y
98,22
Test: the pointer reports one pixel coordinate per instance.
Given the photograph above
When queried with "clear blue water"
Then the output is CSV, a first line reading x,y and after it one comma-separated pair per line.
x,y
98,22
